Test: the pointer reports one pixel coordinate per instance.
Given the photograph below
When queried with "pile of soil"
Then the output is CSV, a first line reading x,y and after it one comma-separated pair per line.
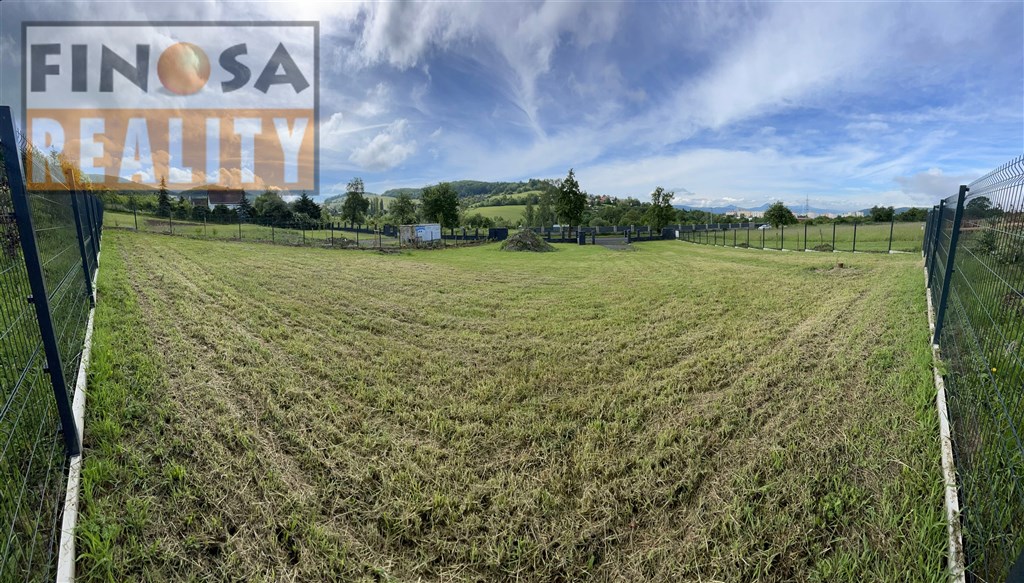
x,y
526,241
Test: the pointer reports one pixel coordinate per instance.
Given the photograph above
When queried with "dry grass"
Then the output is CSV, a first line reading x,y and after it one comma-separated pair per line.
x,y
677,413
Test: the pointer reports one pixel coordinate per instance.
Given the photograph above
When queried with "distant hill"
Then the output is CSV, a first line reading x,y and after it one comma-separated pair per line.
x,y
477,188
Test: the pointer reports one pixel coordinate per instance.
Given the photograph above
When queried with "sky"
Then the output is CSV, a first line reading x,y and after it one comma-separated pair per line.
x,y
725,103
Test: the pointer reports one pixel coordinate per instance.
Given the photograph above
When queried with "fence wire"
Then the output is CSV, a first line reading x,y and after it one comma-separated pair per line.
x,y
49,240
974,250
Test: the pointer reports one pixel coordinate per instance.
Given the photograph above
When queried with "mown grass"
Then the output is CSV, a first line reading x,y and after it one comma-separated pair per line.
x,y
512,213
872,237
678,412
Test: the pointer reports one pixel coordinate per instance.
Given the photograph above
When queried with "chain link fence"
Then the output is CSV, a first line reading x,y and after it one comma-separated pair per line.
x,y
974,261
49,247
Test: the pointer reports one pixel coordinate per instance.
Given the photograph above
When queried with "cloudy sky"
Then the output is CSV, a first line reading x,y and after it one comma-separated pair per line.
x,y
851,104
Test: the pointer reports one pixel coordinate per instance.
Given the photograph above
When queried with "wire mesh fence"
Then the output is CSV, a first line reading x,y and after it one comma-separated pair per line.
x,y
974,260
49,246
891,237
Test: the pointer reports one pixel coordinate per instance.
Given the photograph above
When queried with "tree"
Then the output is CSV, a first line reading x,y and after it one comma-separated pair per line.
x,y
403,210
270,208
245,210
913,215
981,208
355,206
545,215
477,220
306,206
529,214
163,200
570,201
882,214
779,214
183,209
441,205
661,212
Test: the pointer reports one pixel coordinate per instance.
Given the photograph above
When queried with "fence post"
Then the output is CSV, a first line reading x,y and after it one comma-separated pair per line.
x,y
748,234
940,313
892,224
782,238
204,225
135,212
762,239
81,246
833,236
272,240
170,222
805,235
91,222
37,285
854,238
332,233
239,227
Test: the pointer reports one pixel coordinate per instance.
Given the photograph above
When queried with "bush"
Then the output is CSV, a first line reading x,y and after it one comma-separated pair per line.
x,y
526,241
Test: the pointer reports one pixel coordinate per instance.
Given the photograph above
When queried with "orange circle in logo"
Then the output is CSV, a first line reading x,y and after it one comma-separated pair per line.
x,y
183,68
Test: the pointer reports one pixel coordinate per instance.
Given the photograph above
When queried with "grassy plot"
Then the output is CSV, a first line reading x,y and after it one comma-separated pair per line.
x,y
512,213
906,237
246,232
678,412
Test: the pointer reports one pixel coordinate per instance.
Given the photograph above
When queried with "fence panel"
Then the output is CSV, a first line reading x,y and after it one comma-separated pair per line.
x,y
975,261
49,242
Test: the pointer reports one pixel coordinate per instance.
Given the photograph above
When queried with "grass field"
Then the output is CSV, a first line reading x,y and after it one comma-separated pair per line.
x,y
673,413
511,213
906,237
245,232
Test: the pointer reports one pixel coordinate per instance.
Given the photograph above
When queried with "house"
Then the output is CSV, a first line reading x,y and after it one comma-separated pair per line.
x,y
229,197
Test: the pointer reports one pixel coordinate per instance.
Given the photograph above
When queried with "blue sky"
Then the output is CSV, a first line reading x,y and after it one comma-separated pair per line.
x,y
850,104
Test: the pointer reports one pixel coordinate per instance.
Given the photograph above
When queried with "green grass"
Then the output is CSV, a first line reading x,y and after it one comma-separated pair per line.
x,y
511,213
906,237
245,232
677,412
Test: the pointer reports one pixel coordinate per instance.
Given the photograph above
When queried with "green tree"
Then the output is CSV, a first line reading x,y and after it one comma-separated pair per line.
x,y
661,212
441,205
981,208
183,209
355,206
779,214
545,213
271,208
163,200
306,206
913,215
570,201
245,210
882,214
477,220
529,214
403,210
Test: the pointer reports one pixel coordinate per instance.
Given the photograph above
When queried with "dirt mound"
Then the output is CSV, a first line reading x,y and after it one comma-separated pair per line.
x,y
526,241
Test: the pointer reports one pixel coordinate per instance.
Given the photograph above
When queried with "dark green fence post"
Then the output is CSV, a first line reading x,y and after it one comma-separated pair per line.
x,y
782,238
272,239
805,236
81,246
762,239
940,311
37,284
854,238
135,212
170,223
892,224
833,235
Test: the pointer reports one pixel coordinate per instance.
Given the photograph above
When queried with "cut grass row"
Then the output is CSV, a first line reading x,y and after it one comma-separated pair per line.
x,y
677,412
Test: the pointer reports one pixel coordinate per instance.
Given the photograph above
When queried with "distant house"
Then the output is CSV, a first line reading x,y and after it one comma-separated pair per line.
x,y
200,201
229,197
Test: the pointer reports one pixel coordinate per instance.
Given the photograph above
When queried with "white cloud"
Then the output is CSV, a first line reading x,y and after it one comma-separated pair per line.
x,y
929,186
386,150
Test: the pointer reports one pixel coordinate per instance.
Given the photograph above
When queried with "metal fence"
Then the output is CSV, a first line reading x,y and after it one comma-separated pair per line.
x,y
891,237
307,232
974,261
49,247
